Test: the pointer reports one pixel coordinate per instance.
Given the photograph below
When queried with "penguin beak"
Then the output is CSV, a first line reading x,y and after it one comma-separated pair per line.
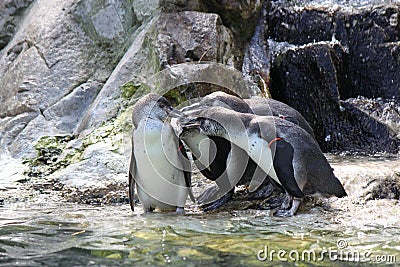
x,y
175,113
190,124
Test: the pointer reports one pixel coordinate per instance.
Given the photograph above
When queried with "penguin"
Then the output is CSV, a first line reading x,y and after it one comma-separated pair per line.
x,y
298,166
257,106
159,165
226,153
266,106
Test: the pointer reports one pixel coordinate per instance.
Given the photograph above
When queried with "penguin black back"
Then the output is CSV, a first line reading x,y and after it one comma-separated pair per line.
x,y
218,165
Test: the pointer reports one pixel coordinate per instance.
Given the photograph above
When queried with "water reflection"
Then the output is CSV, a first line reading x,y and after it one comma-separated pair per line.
x,y
54,234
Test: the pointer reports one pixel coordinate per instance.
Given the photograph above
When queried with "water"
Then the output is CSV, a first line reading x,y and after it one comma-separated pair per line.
x,y
46,232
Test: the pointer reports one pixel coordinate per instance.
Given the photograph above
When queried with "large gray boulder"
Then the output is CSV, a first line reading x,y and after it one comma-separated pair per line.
x,y
168,39
64,71
62,52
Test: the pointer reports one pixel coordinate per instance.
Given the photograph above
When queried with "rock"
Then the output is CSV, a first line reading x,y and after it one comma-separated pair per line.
x,y
11,13
239,16
61,118
368,31
256,61
388,188
99,168
168,39
23,144
358,132
318,83
68,112
307,74
197,37
144,10
174,6
316,74
107,22
45,65
384,110
11,127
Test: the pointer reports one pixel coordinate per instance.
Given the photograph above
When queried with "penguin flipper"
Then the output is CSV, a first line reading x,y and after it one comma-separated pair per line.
x,y
131,180
283,165
132,185
187,174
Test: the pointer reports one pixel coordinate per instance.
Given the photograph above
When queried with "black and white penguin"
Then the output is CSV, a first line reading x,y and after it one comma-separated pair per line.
x,y
298,165
227,164
159,166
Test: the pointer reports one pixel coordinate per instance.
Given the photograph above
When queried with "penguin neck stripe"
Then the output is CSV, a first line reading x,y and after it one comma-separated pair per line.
x,y
273,140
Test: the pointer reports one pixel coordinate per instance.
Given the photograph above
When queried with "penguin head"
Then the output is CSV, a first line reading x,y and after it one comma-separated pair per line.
x,y
221,99
153,106
204,125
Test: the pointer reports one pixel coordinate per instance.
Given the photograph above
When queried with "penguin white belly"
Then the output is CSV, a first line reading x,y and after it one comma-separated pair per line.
x,y
236,164
160,177
199,144
259,151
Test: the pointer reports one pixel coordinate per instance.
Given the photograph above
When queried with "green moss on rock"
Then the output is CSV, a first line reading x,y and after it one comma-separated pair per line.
x,y
49,149
175,97
129,89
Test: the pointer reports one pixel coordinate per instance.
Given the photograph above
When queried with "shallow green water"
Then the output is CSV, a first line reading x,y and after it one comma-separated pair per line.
x,y
37,234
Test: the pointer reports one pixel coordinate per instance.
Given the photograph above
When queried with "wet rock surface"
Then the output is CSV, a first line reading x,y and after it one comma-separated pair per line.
x,y
364,62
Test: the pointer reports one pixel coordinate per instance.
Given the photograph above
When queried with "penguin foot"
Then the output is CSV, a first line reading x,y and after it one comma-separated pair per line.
x,y
148,210
214,193
180,210
209,195
283,213
270,203
262,193
287,202
289,212
217,203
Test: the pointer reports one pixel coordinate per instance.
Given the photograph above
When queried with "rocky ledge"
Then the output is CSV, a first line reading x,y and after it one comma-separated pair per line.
x,y
69,69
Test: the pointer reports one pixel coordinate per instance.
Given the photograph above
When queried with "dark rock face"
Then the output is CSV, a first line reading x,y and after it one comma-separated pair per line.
x,y
305,77
193,36
338,54
240,16
311,78
256,61
388,188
